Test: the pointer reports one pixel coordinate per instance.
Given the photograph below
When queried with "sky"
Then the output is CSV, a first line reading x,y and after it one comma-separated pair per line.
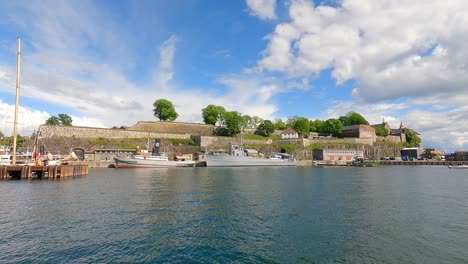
x,y
105,62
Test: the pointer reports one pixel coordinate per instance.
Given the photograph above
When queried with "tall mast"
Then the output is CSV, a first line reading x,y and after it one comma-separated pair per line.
x,y
15,125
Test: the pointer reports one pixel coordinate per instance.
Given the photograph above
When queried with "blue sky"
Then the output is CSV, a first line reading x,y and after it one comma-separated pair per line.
x,y
105,62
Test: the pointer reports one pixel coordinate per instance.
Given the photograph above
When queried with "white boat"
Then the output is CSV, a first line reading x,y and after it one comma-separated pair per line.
x,y
5,156
463,166
238,157
143,159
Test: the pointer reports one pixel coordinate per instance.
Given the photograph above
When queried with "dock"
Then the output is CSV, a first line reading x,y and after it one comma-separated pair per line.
x,y
43,172
422,162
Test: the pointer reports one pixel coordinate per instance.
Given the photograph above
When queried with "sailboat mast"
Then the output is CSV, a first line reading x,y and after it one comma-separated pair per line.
x,y
15,124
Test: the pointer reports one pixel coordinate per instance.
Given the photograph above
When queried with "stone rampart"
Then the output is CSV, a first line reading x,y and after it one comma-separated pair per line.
x,y
364,141
47,131
391,138
173,128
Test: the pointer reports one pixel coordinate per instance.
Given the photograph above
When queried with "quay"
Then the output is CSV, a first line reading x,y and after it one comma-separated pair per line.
x,y
43,172
422,162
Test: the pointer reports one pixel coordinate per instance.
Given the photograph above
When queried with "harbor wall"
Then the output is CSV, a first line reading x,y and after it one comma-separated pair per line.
x,y
47,131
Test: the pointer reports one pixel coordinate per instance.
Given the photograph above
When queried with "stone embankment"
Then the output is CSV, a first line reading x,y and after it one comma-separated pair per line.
x,y
88,139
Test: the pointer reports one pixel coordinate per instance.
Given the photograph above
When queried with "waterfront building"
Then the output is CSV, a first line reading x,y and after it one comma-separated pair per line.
x,y
289,133
457,156
410,154
337,154
107,154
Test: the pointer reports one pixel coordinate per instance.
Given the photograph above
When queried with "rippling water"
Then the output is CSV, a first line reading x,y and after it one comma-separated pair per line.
x,y
394,214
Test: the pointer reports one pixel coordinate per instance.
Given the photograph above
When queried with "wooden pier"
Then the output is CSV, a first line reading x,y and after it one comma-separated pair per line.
x,y
42,172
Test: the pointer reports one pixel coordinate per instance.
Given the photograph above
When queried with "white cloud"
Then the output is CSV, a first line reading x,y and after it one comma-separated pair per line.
x,y
380,44
264,9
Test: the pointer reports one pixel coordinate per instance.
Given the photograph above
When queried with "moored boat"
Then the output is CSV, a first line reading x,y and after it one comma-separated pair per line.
x,y
143,159
462,166
238,157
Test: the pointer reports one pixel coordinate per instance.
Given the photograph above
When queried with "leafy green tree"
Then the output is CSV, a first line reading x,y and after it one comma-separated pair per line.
x,y
301,125
234,122
381,131
333,126
164,110
256,121
317,126
19,141
412,138
344,120
65,119
249,122
290,121
61,120
213,114
266,128
1,134
353,118
280,125
53,120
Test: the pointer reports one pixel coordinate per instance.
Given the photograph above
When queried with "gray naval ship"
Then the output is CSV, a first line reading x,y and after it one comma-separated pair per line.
x,y
240,157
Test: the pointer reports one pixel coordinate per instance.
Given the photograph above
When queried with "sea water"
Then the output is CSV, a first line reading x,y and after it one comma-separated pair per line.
x,y
388,214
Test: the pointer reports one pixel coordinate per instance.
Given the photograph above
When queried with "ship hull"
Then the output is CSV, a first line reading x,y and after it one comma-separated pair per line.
x,y
140,163
236,161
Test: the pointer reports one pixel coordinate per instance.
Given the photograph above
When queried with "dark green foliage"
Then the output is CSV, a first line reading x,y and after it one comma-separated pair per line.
x,y
213,114
317,126
234,122
61,120
164,110
412,139
221,131
266,128
8,141
381,131
353,118
333,126
301,125
179,141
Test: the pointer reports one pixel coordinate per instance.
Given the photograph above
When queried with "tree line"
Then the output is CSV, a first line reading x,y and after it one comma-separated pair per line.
x,y
230,123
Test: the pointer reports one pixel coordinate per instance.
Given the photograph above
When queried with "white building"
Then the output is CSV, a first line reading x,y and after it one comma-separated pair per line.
x,y
337,154
289,133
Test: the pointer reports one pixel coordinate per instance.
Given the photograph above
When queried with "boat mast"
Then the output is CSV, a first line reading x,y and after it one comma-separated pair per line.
x,y
15,125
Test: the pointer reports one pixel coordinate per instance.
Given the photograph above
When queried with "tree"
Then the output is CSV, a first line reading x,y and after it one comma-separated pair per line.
x,y
164,110
65,119
412,138
213,114
290,121
234,122
1,134
353,118
256,121
333,126
249,122
301,125
381,131
280,125
266,128
317,126
61,120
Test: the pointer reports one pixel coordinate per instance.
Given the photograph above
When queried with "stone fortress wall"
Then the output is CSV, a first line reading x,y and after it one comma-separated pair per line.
x,y
47,131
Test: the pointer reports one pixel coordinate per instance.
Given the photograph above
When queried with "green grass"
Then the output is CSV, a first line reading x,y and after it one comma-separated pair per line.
x,y
259,137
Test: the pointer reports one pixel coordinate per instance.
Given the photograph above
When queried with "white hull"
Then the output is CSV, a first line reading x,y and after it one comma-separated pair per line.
x,y
148,163
458,167
239,161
